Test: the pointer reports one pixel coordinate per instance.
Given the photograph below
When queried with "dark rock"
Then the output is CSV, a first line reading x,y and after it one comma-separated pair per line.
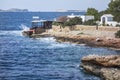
x,y
98,40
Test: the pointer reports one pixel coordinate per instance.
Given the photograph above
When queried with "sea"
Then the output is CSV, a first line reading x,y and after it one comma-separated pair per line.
x,y
24,58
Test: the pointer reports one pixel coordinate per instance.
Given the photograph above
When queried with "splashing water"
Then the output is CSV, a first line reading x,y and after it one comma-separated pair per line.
x,y
47,39
24,27
15,32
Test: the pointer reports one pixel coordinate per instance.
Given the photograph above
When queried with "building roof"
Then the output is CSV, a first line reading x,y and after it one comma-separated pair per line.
x,y
107,15
35,17
62,19
73,16
38,21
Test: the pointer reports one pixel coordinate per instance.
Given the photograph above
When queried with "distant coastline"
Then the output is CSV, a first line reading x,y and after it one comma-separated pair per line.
x,y
62,10
14,10
26,10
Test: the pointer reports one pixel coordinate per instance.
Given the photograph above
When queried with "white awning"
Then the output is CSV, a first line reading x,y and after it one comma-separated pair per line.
x,y
35,17
39,21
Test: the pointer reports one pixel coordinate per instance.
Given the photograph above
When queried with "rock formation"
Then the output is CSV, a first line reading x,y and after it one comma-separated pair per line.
x,y
107,67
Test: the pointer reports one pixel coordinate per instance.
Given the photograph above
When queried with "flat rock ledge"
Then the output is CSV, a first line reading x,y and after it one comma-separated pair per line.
x,y
83,39
90,41
106,67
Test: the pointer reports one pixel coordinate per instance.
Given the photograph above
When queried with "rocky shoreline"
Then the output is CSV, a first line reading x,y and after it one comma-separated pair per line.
x,y
106,67
90,41
104,37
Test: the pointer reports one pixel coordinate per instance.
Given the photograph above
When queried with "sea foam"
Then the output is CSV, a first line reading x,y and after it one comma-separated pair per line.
x,y
24,27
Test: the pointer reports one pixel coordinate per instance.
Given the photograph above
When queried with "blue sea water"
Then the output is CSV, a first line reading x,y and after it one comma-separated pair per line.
x,y
23,58
14,20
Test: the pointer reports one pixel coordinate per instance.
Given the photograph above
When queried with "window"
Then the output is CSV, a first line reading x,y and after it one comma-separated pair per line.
x,y
37,24
110,19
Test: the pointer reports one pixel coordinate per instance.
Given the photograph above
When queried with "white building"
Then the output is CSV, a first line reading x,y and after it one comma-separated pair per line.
x,y
86,17
107,19
83,17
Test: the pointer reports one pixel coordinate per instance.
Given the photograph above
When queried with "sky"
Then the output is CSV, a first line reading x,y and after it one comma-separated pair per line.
x,y
53,5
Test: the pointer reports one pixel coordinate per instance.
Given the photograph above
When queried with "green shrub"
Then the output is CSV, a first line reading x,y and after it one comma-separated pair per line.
x,y
69,22
107,25
117,35
117,25
73,21
56,23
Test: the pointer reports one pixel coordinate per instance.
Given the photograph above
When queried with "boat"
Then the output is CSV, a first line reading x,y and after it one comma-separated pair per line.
x,y
38,26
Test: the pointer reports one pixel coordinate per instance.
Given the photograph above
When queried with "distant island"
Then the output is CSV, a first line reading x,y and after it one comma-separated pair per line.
x,y
26,10
63,10
14,10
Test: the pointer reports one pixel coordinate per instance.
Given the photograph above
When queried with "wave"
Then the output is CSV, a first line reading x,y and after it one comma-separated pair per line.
x,y
47,39
24,27
51,41
14,33
58,45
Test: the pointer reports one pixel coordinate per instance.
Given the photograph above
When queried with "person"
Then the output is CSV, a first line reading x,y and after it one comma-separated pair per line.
x,y
96,26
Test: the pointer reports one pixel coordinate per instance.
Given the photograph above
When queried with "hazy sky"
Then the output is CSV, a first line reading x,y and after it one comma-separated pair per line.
x,y
52,5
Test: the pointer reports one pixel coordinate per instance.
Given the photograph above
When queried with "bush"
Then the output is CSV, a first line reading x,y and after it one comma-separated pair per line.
x,y
76,21
55,23
89,22
117,35
69,22
73,21
118,25
107,25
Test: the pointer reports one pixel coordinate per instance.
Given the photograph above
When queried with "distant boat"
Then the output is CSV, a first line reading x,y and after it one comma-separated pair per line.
x,y
38,26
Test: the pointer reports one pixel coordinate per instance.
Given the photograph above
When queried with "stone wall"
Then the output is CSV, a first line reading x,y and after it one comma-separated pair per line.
x,y
83,27
39,30
60,29
102,28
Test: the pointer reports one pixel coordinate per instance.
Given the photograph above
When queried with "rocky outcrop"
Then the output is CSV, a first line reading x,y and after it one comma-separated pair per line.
x,y
76,39
98,39
107,67
90,41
